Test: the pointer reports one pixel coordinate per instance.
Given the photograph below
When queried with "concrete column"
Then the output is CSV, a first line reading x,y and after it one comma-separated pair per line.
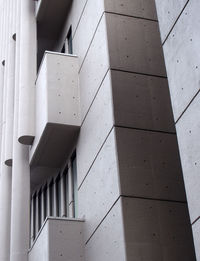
x,y
5,172
5,209
20,215
10,85
26,126
20,208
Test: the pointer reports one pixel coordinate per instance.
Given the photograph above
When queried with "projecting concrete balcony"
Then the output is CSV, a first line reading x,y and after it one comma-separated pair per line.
x,y
59,239
46,9
57,110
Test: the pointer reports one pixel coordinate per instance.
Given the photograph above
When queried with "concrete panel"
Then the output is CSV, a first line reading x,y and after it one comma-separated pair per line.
x,y
138,8
182,58
134,45
108,241
57,110
188,131
87,26
66,240
94,67
157,230
100,188
196,235
59,239
149,164
40,250
142,102
168,11
95,129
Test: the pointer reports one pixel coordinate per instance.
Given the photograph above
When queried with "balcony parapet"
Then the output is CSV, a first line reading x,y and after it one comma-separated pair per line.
x,y
59,239
57,110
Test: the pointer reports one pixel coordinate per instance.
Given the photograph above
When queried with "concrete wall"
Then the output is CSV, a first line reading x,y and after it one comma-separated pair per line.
x,y
127,154
179,26
59,239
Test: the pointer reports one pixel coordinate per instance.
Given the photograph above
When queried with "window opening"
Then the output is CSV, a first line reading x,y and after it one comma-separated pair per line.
x,y
74,183
39,210
51,198
63,49
34,216
57,198
45,201
69,41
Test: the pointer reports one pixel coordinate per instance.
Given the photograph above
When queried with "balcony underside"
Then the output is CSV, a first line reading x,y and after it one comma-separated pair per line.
x,y
49,23
56,143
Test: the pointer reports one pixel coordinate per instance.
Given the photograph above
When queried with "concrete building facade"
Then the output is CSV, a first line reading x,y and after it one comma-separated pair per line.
x,y
179,27
90,167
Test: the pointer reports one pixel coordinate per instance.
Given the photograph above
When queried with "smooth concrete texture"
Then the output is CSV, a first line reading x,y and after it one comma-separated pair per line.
x,y
100,188
108,242
40,249
57,110
168,12
196,235
27,72
96,152
1,103
88,23
97,60
141,101
149,165
182,58
59,239
134,45
20,203
5,211
10,84
137,8
10,103
156,230
182,62
95,129
188,131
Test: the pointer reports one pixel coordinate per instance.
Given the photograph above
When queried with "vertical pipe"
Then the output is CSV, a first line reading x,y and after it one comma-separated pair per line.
x,y
26,126
10,85
5,207
6,173
20,208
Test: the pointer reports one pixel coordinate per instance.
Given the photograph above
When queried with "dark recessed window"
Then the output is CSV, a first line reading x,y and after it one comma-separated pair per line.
x,y
69,41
